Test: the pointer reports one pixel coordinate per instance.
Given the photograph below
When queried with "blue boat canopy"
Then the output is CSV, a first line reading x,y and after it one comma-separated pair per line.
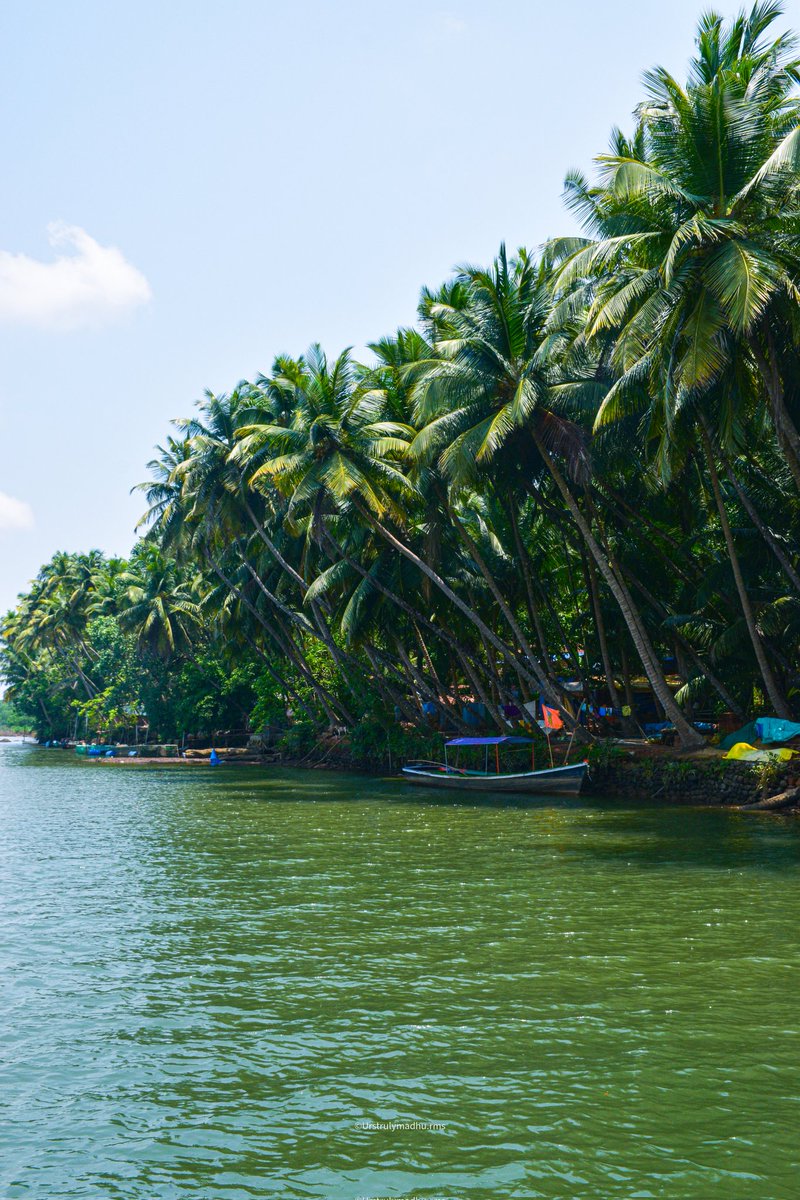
x,y
490,741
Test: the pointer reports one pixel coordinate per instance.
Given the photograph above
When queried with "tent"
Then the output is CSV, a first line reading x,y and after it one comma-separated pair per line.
x,y
748,733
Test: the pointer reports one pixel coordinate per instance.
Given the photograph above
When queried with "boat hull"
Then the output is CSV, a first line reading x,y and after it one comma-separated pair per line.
x,y
557,781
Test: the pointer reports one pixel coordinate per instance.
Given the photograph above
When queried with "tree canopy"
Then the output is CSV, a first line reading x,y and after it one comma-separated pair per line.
x,y
577,475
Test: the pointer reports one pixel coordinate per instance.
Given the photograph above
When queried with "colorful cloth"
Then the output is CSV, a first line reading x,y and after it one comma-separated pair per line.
x,y
742,752
551,718
770,729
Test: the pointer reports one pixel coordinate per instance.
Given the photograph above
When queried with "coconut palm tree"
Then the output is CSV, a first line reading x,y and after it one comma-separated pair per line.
x,y
489,407
159,606
694,253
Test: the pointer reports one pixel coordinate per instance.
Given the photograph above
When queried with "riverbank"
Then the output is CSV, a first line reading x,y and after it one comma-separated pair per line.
x,y
703,780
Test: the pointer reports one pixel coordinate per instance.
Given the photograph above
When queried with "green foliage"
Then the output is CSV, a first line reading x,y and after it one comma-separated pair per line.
x,y
373,744
583,467
300,740
11,720
604,754
769,774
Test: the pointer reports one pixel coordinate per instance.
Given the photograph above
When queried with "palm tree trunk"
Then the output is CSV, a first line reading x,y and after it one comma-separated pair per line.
x,y
380,678
776,697
502,603
480,691
282,683
507,653
763,529
416,616
328,702
785,429
689,737
321,633
600,626
700,663
527,575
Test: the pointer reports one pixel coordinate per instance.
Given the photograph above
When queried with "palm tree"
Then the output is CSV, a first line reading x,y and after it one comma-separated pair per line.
x,y
694,253
159,606
489,404
698,256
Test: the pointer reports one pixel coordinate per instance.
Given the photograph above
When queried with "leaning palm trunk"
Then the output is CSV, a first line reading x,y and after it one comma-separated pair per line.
x,y
287,689
461,651
538,680
480,691
763,529
319,619
702,666
776,697
321,633
390,694
600,627
530,598
689,737
785,429
327,702
505,608
305,628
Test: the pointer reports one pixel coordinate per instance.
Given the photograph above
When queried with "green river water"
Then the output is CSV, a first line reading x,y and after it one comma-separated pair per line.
x,y
210,980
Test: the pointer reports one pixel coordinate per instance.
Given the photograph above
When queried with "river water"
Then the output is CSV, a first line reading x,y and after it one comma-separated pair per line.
x,y
211,980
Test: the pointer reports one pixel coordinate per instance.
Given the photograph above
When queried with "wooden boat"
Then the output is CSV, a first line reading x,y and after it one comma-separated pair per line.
x,y
552,781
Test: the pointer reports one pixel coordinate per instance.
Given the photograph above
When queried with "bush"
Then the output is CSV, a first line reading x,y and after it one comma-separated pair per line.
x,y
374,744
604,754
299,740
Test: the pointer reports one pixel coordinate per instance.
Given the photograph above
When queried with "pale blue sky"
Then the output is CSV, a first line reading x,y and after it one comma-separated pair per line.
x,y
271,174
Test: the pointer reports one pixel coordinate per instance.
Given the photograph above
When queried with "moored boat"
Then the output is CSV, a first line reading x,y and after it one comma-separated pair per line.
x,y
552,781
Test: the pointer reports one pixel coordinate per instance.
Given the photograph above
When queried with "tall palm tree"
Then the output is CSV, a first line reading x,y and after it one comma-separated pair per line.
x,y
695,227
159,606
490,398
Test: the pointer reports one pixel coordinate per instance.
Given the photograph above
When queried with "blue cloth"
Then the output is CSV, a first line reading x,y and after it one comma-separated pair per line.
x,y
473,714
502,740
213,758
748,733
771,729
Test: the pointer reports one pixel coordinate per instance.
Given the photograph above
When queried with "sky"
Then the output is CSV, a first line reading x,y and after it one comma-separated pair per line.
x,y
191,188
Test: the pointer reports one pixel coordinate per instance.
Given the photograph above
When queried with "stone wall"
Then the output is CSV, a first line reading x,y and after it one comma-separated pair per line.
x,y
692,781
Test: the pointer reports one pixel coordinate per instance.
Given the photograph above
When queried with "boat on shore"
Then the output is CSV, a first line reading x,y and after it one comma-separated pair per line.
x,y
551,781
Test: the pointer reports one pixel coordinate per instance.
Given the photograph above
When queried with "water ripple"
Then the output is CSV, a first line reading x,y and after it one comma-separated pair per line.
x,y
211,982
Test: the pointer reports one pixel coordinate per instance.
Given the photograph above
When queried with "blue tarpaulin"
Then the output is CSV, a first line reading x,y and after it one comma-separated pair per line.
x,y
748,733
490,741
473,713
771,729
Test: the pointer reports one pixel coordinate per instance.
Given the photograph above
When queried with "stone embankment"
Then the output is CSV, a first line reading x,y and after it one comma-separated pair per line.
x,y
703,781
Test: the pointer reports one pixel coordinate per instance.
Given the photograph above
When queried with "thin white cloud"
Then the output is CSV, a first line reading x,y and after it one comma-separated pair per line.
x,y
14,514
87,284
450,24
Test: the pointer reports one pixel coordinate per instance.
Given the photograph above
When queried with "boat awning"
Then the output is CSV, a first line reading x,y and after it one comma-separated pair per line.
x,y
490,741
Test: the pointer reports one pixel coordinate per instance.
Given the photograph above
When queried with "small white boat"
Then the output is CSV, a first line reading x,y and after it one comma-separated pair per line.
x,y
552,781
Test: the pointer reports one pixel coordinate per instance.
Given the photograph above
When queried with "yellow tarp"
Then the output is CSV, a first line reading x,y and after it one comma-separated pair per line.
x,y
747,753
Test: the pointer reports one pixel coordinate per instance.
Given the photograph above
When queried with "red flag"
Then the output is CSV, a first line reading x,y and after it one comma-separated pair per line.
x,y
551,718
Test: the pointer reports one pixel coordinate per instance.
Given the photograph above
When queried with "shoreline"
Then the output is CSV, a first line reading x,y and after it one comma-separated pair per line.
x,y
676,781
